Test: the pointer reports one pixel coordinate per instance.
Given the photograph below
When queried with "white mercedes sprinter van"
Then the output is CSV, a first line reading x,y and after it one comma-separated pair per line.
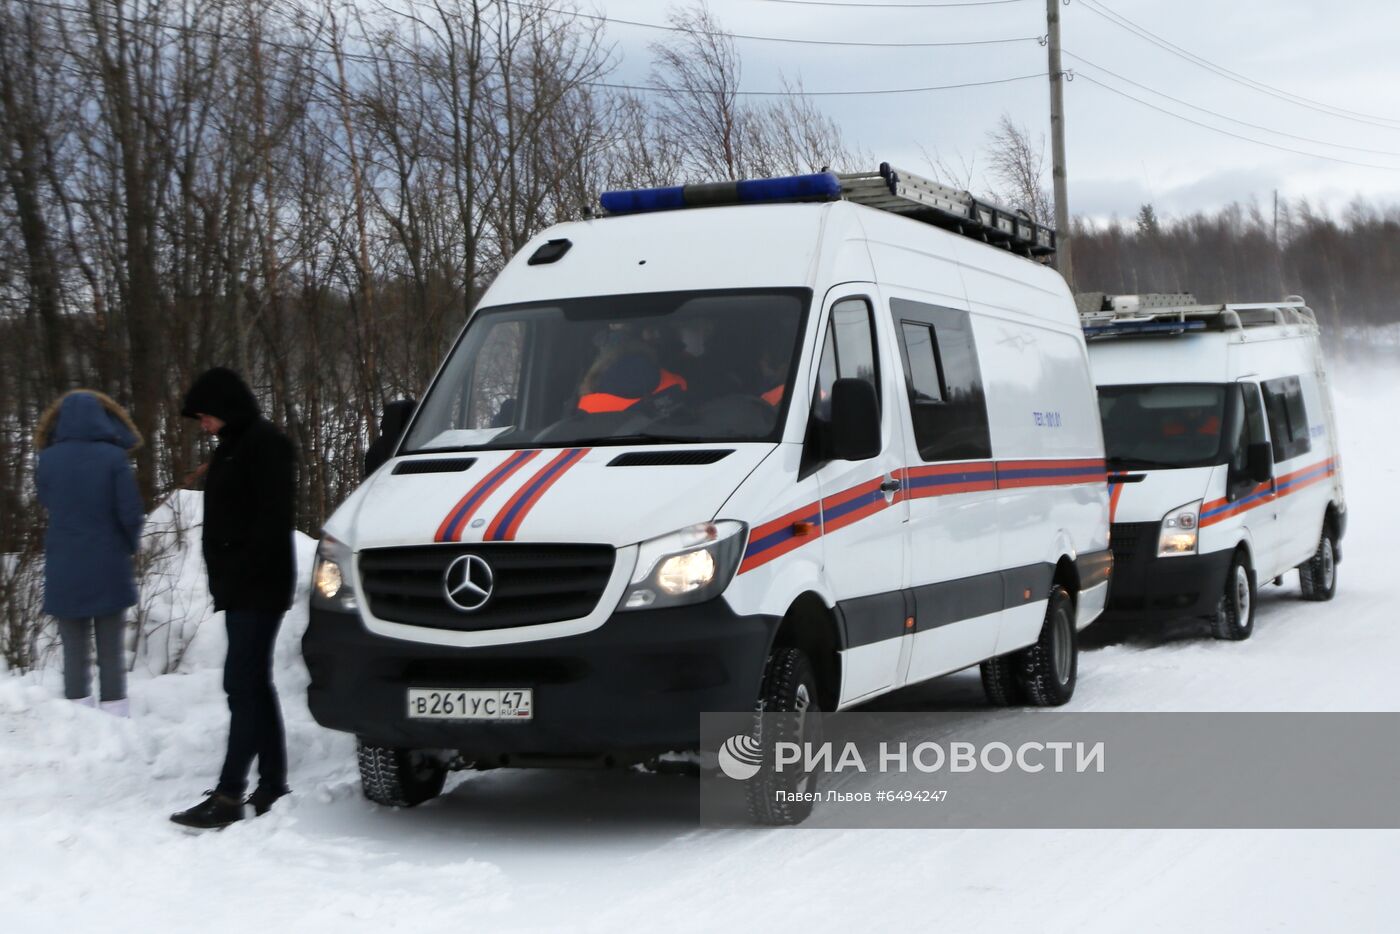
x,y
747,445
1222,455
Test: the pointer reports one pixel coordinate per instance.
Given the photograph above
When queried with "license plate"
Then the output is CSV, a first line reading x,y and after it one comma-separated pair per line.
x,y
479,704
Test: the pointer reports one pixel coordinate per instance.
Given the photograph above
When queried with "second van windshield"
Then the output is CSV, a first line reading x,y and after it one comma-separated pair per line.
x,y
655,368
1165,425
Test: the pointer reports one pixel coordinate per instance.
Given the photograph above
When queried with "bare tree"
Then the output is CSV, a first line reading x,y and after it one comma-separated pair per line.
x,y
1016,170
699,74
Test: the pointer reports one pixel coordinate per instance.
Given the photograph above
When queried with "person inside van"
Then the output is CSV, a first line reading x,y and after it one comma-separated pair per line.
x,y
1193,421
772,374
625,372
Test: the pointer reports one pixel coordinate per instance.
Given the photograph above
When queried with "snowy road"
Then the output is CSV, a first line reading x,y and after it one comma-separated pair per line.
x,y
85,845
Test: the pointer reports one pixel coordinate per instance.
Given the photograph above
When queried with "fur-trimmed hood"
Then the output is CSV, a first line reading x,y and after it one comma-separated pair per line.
x,y
86,415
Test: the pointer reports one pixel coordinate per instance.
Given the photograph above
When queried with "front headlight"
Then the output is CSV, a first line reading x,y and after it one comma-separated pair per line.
x,y
330,576
691,565
1178,536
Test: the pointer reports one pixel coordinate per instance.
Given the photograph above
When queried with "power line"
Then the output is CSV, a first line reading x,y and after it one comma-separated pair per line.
x,y
372,59
1221,116
1239,136
1389,123
895,6
859,93
787,39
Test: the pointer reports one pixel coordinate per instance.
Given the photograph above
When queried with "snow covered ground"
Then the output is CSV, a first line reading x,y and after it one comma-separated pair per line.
x,y
85,844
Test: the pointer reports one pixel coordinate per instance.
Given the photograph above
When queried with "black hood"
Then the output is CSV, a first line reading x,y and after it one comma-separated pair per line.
x,y
221,393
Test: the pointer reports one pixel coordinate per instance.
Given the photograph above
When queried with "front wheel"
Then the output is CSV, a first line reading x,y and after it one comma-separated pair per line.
x,y
1048,670
1318,575
402,778
1234,613
786,712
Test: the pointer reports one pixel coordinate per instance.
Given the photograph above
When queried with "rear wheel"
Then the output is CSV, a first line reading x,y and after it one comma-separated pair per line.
x,y
1234,614
1318,575
1047,671
786,712
999,682
400,778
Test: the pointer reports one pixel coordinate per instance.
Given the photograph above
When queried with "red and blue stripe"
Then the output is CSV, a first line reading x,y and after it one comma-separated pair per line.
x,y
507,521
1219,510
777,537
1013,474
451,528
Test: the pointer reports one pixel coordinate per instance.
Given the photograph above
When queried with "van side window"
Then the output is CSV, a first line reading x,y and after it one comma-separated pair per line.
x,y
946,399
1288,417
849,352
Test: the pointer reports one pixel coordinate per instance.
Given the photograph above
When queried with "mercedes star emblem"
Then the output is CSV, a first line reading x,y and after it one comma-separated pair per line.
x,y
468,582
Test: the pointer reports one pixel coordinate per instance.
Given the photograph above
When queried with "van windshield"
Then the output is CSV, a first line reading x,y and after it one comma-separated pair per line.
x,y
1165,425
654,368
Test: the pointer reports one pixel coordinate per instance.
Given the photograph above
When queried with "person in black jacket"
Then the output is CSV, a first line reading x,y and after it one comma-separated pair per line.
x,y
249,500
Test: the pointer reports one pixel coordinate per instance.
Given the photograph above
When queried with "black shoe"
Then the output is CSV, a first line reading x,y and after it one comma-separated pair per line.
x,y
213,813
264,797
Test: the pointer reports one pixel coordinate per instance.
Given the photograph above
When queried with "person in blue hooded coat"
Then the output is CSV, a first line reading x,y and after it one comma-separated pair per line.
x,y
95,512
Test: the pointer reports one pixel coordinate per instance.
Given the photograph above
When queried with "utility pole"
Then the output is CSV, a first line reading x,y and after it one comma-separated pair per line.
x,y
1064,256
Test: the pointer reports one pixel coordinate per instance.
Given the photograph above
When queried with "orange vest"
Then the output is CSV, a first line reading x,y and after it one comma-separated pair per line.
x,y
595,403
774,396
1210,426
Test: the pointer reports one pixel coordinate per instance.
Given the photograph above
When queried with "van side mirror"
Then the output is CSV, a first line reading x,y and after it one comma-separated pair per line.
x,y
392,425
396,417
855,420
1259,463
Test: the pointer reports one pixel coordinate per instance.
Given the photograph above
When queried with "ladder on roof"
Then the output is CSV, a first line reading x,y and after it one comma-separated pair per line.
x,y
1108,316
886,189
900,192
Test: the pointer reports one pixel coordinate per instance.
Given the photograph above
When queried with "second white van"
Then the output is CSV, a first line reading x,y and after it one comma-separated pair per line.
x,y
1222,455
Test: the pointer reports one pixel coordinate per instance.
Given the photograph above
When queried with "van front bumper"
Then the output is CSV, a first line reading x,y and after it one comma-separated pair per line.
x,y
630,689
1147,587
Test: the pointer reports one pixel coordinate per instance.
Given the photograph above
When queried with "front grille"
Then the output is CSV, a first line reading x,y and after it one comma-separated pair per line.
x,y
532,584
1126,539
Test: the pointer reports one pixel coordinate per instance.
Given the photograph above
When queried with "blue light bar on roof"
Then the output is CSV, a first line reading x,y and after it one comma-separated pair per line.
x,y
820,186
1143,327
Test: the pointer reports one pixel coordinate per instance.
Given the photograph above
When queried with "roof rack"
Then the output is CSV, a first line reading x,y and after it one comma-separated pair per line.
x,y
1107,316
886,189
891,189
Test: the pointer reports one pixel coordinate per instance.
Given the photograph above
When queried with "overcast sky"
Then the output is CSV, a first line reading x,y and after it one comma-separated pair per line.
x,y
1342,54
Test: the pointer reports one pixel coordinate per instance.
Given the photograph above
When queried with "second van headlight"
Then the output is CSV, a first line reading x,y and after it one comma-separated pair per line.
x,y
1179,528
690,565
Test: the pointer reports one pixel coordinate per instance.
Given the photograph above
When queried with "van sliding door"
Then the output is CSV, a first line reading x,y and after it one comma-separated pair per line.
x,y
954,540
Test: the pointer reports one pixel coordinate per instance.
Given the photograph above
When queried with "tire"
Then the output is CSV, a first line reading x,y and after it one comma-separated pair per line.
x,y
1318,575
999,682
1047,671
401,778
1234,614
789,687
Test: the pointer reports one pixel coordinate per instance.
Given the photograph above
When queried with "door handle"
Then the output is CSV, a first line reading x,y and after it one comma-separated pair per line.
x,y
891,485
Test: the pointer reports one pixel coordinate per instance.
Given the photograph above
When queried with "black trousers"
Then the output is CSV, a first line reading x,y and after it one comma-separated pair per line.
x,y
255,718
